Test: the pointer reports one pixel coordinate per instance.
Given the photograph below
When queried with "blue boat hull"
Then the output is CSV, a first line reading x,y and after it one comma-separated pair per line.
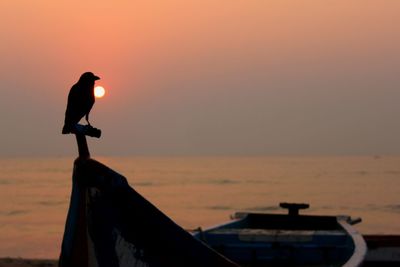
x,y
284,240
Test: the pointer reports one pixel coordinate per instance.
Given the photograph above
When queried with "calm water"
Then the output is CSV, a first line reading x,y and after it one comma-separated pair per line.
x,y
200,191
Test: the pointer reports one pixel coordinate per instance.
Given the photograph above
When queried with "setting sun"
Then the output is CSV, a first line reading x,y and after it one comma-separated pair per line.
x,y
99,91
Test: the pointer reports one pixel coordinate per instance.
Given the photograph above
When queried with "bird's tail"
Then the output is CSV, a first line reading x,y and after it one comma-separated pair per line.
x,y
66,129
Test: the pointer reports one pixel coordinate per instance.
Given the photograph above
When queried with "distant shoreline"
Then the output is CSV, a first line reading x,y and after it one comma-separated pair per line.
x,y
21,262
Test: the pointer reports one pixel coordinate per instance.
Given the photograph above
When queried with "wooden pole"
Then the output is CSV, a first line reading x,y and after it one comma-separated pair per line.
x,y
83,148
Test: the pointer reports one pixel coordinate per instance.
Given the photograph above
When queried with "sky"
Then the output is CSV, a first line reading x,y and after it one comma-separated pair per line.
x,y
234,78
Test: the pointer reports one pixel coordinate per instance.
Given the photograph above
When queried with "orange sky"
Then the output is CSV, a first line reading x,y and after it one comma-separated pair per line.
x,y
204,77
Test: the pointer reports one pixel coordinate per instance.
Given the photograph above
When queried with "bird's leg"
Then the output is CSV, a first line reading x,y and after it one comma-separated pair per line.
x,y
87,119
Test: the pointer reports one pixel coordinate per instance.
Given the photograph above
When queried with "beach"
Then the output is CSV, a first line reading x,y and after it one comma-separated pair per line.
x,y
19,262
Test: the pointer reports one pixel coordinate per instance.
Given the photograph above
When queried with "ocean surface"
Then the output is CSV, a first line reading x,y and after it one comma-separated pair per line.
x,y
200,191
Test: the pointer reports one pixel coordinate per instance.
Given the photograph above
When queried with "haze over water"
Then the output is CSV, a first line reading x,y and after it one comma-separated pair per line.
x,y
200,191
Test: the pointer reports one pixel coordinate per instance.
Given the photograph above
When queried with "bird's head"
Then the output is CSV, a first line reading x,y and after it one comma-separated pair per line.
x,y
88,77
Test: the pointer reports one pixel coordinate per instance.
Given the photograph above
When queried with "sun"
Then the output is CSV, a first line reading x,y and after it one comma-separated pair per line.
x,y
99,91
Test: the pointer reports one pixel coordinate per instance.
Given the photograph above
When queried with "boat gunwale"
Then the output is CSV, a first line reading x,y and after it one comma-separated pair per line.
x,y
360,246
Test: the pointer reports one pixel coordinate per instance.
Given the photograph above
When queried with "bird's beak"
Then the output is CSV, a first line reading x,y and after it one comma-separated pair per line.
x,y
96,78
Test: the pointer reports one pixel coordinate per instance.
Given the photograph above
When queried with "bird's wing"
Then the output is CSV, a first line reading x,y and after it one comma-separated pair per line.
x,y
75,106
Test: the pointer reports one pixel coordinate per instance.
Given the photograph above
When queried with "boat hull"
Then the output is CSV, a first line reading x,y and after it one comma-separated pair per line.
x,y
254,239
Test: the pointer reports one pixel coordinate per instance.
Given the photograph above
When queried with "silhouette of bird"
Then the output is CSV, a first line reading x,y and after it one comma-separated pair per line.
x,y
80,101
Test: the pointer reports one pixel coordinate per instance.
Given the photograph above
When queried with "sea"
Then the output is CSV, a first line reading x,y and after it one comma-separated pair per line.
x,y
200,192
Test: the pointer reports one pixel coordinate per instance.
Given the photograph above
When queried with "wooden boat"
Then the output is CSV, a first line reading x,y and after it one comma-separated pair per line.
x,y
257,239
109,224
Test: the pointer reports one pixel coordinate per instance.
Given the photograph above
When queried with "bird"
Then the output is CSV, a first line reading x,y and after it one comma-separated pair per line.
x,y
80,101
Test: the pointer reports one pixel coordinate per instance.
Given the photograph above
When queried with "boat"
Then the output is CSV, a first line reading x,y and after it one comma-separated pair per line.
x,y
109,224
259,239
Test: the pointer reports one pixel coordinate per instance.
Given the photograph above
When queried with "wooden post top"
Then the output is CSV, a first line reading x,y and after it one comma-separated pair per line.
x,y
80,132
83,148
